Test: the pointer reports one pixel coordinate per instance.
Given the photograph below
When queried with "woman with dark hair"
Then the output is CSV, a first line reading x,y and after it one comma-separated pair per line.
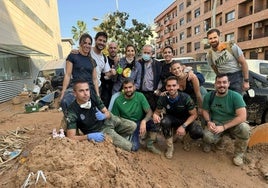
x,y
127,67
79,66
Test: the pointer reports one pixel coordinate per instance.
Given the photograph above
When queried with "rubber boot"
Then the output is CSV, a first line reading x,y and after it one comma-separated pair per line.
x,y
170,148
150,143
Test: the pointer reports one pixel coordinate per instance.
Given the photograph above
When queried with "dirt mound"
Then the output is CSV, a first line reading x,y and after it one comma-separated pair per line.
x,y
68,163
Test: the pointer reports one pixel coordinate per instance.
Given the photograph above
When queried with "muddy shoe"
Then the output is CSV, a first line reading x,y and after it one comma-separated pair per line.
x,y
220,145
187,146
151,148
169,153
206,148
238,160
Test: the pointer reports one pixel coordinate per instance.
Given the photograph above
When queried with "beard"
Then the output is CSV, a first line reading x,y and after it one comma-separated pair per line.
x,y
220,91
214,44
129,94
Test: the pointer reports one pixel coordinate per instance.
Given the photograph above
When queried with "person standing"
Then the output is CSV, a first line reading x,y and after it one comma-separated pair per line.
x,y
225,112
127,67
101,60
79,65
227,58
107,84
150,75
88,114
180,115
133,105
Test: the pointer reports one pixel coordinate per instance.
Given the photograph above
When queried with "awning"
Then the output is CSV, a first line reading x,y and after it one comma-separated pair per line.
x,y
20,50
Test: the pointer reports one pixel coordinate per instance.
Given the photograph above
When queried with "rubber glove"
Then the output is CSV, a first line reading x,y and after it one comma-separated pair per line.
x,y
97,137
100,116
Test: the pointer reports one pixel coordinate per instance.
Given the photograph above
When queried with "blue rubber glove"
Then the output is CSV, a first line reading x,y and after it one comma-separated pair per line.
x,y
100,116
97,137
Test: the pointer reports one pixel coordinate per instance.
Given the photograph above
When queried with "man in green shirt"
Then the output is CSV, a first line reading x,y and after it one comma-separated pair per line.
x,y
225,112
133,105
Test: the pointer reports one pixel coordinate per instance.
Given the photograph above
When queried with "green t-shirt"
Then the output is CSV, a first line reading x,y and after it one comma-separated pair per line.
x,y
132,109
223,109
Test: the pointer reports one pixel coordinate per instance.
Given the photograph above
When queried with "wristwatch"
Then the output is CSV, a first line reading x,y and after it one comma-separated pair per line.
x,y
184,126
246,80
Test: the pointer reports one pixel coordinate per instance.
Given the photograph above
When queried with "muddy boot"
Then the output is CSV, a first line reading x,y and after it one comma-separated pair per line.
x,y
240,149
150,143
186,142
170,148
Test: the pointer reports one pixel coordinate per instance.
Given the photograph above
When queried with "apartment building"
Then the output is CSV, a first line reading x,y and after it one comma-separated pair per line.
x,y
30,36
184,24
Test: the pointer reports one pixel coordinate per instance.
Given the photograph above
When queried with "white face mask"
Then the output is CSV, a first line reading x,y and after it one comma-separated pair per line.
x,y
86,105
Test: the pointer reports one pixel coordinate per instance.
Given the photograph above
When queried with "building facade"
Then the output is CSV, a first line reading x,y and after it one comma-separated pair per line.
x,y
183,25
30,36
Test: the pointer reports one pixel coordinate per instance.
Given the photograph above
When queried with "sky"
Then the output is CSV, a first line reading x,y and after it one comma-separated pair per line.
x,y
70,11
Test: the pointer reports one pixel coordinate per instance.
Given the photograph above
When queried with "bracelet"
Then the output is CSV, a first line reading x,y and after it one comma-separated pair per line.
x,y
223,127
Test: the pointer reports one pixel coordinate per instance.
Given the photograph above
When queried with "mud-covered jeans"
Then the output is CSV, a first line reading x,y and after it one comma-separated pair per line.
x,y
119,129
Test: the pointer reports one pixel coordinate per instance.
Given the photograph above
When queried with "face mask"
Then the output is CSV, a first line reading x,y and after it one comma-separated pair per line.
x,y
86,105
146,57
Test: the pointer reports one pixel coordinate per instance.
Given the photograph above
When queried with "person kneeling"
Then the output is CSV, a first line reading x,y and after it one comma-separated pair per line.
x,y
180,115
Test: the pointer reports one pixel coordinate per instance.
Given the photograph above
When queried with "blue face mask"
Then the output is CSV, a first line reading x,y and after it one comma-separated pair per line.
x,y
146,57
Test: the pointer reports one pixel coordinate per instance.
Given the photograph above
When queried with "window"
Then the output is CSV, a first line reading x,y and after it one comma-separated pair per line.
x,y
197,46
197,29
182,50
14,67
182,36
229,37
230,16
197,13
181,21
181,7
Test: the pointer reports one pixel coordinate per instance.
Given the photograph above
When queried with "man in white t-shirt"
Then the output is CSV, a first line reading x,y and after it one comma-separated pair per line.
x,y
101,60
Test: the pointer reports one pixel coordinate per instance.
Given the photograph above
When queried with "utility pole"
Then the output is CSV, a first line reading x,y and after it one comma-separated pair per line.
x,y
214,13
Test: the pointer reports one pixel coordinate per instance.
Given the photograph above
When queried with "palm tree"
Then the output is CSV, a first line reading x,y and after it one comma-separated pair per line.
x,y
79,30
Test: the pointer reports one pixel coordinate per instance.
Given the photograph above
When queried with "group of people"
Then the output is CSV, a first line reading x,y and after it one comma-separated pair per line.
x,y
145,96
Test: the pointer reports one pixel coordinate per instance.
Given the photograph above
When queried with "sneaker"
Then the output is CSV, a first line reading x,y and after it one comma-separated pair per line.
x,y
238,160
206,148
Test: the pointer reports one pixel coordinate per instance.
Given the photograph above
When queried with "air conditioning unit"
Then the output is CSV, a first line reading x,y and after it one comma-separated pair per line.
x,y
258,25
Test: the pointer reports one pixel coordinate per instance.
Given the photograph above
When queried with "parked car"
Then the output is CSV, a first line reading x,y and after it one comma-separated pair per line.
x,y
257,106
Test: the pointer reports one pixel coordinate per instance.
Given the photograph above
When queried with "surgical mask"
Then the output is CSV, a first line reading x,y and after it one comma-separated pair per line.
x,y
146,57
86,105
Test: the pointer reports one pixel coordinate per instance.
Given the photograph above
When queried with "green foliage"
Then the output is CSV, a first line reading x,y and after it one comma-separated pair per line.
x,y
79,30
115,25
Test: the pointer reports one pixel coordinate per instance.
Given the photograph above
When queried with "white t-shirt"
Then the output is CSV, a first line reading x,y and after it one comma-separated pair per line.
x,y
102,66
